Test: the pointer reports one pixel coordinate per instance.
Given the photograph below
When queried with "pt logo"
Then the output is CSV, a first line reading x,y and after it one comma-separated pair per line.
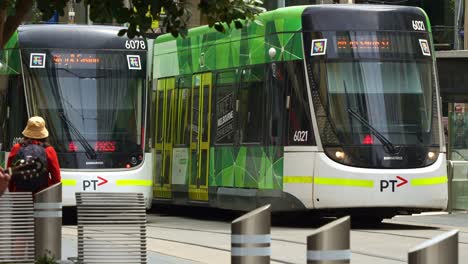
x,y
93,184
384,184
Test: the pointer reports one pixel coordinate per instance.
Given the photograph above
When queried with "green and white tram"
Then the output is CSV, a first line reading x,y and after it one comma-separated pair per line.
x,y
91,88
316,107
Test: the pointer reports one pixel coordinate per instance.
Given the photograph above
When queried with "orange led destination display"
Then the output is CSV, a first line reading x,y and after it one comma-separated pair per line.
x,y
363,44
75,59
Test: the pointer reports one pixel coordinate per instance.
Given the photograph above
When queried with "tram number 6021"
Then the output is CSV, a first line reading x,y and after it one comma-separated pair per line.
x,y
301,136
135,44
418,25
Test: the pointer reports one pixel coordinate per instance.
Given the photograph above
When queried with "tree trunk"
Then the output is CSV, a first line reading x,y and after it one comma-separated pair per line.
x,y
9,26
3,14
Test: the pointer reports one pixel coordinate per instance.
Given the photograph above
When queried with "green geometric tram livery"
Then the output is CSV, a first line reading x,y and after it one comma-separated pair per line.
x,y
306,102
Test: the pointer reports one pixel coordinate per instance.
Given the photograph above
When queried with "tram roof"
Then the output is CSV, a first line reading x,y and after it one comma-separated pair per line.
x,y
289,19
70,36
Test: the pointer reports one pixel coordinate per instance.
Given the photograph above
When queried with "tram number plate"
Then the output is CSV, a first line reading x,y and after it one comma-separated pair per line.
x,y
418,25
135,44
300,136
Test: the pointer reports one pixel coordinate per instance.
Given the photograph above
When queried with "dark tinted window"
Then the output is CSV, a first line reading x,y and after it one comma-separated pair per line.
x,y
250,104
300,131
182,120
275,104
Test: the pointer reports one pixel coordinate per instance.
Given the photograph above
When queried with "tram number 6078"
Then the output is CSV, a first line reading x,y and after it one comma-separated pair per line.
x,y
135,44
300,136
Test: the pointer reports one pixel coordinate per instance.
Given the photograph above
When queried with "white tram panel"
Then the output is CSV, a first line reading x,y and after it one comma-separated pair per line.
x,y
298,173
384,191
134,180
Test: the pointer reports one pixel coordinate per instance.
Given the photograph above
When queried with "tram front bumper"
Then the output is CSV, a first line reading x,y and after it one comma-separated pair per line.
x,y
341,186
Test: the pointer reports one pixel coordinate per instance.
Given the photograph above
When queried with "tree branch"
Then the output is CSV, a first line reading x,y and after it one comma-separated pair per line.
x,y
22,8
3,15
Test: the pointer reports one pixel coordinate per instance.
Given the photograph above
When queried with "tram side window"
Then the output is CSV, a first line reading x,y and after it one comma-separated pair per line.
x,y
251,104
300,130
275,104
183,104
225,107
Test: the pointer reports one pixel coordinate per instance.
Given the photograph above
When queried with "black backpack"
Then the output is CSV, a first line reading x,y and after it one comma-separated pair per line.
x,y
38,181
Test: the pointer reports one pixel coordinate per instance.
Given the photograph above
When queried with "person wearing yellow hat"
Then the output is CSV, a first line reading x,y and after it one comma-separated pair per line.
x,y
35,142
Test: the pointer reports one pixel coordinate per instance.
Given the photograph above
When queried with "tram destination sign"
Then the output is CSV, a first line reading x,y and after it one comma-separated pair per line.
x,y
76,60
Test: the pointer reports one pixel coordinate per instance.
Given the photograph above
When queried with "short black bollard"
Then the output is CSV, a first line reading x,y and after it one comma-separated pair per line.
x,y
48,221
330,243
440,249
250,237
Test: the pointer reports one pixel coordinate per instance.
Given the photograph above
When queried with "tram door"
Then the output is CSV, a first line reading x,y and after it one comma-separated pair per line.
x,y
165,115
200,137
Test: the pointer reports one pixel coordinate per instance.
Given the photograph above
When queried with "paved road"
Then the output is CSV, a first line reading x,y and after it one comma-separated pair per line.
x,y
203,236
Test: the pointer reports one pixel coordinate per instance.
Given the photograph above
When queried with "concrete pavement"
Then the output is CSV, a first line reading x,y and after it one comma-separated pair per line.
x,y
186,239
70,241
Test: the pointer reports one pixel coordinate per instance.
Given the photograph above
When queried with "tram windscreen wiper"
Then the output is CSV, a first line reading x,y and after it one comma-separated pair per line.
x,y
90,152
387,143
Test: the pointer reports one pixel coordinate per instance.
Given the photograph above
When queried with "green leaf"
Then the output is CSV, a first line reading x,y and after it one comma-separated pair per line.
x,y
219,27
122,32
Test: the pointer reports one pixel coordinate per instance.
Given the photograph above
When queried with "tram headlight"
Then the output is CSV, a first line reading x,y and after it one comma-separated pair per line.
x,y
339,154
432,154
336,153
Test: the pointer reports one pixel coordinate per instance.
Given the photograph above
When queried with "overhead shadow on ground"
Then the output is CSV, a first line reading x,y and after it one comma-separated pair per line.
x,y
394,226
195,212
302,219
290,219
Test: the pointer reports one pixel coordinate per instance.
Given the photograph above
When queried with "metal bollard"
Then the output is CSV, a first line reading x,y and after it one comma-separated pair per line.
x,y
48,221
440,249
250,237
330,243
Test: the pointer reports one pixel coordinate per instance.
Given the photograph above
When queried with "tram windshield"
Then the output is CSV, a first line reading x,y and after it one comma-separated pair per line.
x,y
395,98
378,89
93,103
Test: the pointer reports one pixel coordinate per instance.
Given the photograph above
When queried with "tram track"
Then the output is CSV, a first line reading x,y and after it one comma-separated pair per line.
x,y
210,247
353,230
359,252
407,236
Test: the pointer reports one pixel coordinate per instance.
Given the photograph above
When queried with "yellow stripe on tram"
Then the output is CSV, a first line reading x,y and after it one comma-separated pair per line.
x,y
297,179
134,183
68,182
344,182
429,181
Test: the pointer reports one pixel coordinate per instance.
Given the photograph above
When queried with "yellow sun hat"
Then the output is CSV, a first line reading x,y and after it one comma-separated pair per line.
x,y
35,128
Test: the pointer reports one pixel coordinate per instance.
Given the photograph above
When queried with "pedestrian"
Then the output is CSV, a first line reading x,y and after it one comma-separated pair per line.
x,y
4,181
35,144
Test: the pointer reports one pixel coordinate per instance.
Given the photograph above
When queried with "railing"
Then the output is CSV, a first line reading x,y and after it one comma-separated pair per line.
x,y
17,228
457,185
111,228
